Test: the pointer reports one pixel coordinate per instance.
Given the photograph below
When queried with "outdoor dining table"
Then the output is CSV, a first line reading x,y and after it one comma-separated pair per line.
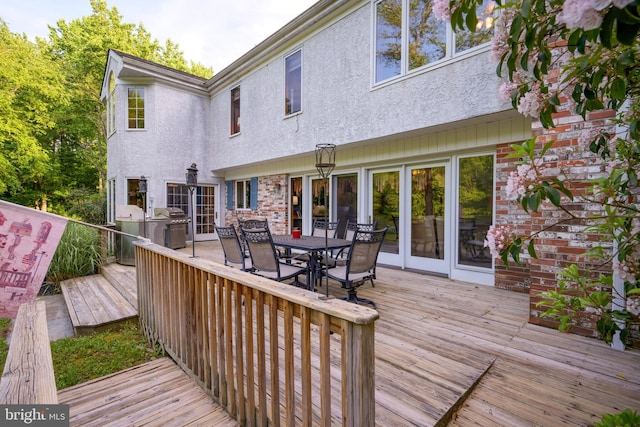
x,y
314,245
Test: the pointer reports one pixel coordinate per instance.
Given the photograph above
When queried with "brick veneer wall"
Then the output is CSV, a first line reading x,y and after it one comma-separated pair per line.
x,y
561,240
272,204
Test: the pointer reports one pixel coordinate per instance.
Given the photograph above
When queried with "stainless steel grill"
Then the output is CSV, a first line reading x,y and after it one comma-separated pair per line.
x,y
175,233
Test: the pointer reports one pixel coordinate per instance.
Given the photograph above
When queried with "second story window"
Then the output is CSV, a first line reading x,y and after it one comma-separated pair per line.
x,y
235,110
408,36
135,108
293,83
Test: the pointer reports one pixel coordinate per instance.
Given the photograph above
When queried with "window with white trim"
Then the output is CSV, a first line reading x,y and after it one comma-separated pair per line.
x,y
235,110
111,105
293,83
408,36
135,108
243,194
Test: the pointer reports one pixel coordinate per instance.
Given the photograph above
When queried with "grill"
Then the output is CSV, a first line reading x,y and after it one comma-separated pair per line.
x,y
175,233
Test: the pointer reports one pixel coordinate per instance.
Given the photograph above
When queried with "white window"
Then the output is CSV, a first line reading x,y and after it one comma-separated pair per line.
x,y
135,108
408,36
235,110
293,83
243,194
111,106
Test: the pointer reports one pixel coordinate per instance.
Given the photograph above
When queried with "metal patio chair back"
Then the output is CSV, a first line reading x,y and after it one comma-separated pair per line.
x,y
264,257
232,248
353,226
361,263
319,225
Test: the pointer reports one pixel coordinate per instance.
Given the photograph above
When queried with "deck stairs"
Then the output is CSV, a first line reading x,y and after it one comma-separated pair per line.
x,y
101,301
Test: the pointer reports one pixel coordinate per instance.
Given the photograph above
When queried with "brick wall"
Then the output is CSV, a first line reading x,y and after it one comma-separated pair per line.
x,y
272,204
561,240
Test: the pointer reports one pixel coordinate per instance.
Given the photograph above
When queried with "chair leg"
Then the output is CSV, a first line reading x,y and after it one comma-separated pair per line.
x,y
353,297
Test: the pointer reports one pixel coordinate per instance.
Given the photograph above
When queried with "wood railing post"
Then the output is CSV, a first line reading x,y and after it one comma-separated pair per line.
x,y
359,378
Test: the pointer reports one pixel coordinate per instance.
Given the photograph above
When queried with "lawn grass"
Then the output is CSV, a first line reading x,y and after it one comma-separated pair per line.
x,y
5,325
82,358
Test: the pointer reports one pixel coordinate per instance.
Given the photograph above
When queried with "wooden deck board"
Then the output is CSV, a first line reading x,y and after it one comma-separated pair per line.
x,y
435,337
157,393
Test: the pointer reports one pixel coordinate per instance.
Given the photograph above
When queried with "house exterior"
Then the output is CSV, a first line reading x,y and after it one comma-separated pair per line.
x,y
420,130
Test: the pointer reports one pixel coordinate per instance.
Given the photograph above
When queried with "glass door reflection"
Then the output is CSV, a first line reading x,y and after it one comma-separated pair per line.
x,y
386,208
428,212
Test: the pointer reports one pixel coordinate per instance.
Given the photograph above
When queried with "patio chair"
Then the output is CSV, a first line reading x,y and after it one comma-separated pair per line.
x,y
319,226
265,260
232,248
360,265
340,258
251,224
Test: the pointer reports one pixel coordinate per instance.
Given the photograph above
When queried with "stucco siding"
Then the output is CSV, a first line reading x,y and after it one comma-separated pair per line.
x,y
339,103
175,136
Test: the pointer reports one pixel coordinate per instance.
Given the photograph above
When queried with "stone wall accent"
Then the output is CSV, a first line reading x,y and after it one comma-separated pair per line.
x,y
272,204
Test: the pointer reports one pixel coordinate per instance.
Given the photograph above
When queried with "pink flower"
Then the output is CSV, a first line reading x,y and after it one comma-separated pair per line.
x,y
585,14
523,179
506,88
498,239
530,104
621,4
441,10
627,270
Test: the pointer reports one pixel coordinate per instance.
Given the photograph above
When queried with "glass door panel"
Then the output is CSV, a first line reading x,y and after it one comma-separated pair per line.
x,y
296,204
347,197
205,212
386,208
475,202
426,244
319,199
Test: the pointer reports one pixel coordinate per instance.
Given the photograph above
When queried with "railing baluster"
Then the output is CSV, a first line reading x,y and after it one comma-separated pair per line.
x,y
249,349
213,321
237,300
275,364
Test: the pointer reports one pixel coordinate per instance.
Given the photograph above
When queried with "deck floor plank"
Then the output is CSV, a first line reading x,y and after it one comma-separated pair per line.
x,y
434,339
157,393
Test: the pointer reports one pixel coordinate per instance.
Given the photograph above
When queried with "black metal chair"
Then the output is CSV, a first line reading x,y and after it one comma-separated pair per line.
x,y
232,248
319,225
360,265
340,258
251,224
265,260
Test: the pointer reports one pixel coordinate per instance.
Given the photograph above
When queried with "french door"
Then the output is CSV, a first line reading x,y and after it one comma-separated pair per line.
x,y
385,210
426,218
205,214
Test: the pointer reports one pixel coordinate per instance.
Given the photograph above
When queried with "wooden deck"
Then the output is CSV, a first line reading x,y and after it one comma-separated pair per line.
x,y
157,393
435,338
451,353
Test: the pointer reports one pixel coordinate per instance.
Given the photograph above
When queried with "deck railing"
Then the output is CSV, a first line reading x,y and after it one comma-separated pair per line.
x,y
269,353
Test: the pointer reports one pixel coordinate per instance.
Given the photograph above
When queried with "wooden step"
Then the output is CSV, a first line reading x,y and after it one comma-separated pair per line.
x,y
95,304
123,278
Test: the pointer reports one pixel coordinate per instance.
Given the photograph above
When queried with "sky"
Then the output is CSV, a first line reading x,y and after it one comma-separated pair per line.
x,y
212,32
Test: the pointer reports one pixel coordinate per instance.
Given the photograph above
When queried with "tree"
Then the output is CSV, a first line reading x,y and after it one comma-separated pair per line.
x,y
581,54
82,45
51,117
27,112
